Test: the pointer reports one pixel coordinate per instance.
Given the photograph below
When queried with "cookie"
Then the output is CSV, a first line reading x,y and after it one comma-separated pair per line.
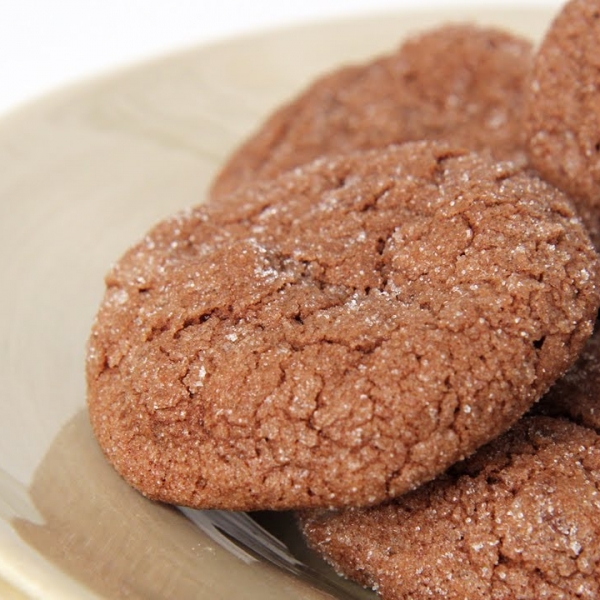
x,y
340,334
459,83
520,519
563,111
577,395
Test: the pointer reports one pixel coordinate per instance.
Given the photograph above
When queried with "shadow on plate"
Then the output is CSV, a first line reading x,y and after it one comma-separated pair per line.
x,y
101,532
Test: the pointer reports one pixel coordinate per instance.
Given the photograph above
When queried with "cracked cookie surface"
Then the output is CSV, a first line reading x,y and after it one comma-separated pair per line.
x,y
459,83
562,109
345,333
518,520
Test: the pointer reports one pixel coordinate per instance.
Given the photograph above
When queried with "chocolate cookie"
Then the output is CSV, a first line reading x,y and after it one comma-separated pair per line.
x,y
458,83
519,520
577,394
339,334
563,111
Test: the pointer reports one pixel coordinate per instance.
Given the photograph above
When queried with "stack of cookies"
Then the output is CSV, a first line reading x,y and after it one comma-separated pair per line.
x,y
366,320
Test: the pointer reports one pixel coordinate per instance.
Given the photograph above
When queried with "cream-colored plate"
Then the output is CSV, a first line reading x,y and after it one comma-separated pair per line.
x,y
83,174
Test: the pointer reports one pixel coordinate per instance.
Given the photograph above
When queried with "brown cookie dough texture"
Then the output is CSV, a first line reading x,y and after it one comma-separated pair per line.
x,y
577,394
519,520
563,108
340,334
458,83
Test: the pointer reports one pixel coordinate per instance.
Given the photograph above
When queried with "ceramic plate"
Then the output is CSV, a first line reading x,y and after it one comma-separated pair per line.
x,y
85,172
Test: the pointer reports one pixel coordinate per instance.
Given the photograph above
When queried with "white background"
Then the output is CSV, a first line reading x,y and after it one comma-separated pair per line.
x,y
45,44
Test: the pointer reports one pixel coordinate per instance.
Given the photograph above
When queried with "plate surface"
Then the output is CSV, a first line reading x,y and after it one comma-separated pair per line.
x,y
85,173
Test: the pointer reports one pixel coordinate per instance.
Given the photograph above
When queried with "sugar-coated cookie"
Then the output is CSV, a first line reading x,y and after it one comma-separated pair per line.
x,y
563,108
520,520
576,396
340,334
460,83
